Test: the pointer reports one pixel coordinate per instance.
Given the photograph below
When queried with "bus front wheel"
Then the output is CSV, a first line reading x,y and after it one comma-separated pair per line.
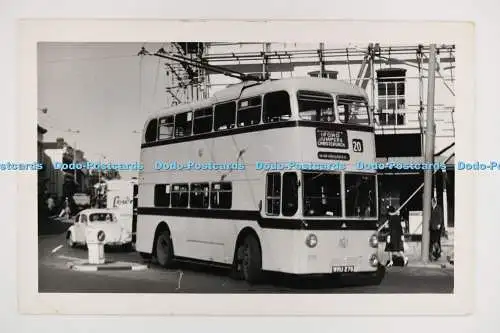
x,y
250,259
164,250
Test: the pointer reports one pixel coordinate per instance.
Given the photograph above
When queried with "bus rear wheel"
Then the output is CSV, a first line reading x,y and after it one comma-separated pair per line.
x,y
249,259
164,249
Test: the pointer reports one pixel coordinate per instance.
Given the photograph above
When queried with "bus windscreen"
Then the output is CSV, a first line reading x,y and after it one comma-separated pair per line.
x,y
360,195
322,194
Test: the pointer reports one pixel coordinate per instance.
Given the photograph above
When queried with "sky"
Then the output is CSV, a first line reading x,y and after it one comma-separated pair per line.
x,y
104,91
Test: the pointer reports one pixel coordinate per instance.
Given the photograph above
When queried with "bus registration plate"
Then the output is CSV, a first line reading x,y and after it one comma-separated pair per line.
x,y
343,269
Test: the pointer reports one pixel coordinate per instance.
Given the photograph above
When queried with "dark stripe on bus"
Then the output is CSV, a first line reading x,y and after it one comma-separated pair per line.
x,y
263,222
261,127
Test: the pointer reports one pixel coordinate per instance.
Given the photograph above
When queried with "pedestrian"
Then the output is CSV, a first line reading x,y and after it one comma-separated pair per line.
x,y
395,239
66,210
51,204
435,230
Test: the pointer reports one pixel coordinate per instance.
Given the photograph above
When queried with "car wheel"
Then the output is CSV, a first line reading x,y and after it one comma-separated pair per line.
x,y
164,250
69,240
250,259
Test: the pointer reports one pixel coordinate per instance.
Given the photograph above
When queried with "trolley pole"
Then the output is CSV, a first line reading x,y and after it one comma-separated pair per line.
x,y
429,155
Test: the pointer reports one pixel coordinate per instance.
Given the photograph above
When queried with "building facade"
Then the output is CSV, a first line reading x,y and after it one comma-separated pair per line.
x,y
63,183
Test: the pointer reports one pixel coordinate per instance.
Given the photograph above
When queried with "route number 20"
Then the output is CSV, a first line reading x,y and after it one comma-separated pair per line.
x,y
357,145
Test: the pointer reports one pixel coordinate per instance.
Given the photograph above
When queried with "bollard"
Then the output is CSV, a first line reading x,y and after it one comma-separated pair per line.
x,y
95,244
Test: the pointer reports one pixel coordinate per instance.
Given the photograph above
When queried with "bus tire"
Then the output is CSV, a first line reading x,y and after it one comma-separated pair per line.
x,y
250,258
164,253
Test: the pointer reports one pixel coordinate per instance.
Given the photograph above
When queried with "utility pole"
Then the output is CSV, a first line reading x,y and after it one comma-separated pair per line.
x,y
429,155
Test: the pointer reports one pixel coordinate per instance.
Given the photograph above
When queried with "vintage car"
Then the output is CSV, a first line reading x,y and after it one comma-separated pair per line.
x,y
101,219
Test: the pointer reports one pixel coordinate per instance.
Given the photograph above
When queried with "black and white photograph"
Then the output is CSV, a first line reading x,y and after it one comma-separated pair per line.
x,y
247,167
306,161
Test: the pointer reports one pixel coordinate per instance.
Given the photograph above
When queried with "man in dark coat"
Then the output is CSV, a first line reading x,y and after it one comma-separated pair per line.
x,y
435,228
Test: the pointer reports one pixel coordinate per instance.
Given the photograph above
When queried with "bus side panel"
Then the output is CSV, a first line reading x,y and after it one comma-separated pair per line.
x,y
146,227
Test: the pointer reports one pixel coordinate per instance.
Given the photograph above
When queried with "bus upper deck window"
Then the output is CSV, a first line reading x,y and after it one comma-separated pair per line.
x,y
276,107
151,131
249,111
353,110
224,116
166,128
315,106
203,121
183,123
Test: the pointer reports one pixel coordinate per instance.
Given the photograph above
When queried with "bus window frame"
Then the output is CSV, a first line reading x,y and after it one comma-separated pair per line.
x,y
296,189
290,105
160,125
336,118
273,197
150,123
212,116
212,191
167,186
191,121
234,115
354,99
191,193
303,197
238,108
344,197
172,191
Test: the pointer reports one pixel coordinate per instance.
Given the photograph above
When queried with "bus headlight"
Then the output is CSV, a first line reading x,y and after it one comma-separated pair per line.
x,y
311,240
374,240
374,260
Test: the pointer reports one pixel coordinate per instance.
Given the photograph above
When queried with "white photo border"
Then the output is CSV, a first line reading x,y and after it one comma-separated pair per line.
x,y
31,32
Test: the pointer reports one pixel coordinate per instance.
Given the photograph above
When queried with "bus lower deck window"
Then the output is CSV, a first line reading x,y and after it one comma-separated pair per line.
x,y
162,195
180,195
290,195
199,195
360,198
273,193
321,194
221,195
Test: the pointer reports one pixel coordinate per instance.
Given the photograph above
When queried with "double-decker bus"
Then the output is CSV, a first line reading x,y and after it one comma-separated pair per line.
x,y
262,177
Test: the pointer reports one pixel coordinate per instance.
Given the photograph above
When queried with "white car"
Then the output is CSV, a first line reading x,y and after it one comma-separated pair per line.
x,y
98,219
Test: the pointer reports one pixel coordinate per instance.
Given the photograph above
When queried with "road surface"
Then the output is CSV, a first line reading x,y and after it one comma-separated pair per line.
x,y
56,276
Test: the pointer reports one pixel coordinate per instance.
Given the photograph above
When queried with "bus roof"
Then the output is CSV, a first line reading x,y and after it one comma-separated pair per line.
x,y
252,88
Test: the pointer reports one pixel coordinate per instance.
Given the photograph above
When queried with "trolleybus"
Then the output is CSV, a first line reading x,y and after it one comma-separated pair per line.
x,y
262,177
